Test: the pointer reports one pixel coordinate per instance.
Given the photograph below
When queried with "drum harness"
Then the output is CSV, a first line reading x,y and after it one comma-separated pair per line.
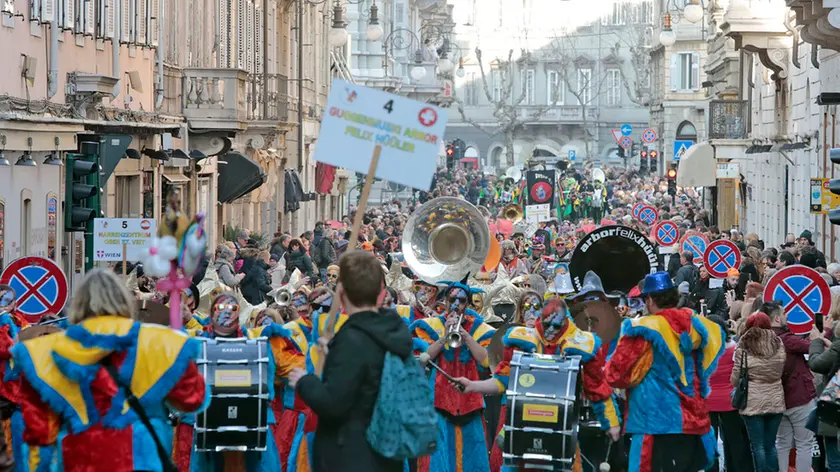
x,y
134,403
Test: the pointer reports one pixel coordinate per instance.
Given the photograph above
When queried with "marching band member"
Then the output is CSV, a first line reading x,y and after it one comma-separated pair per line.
x,y
665,359
555,333
10,325
68,392
462,446
332,276
511,261
425,295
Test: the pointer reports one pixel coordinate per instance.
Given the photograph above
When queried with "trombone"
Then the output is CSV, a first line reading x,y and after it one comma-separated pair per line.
x,y
453,336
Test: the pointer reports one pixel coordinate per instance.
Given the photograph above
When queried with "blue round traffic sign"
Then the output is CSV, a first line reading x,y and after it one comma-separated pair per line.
x,y
40,285
648,215
802,292
666,233
720,256
649,135
626,129
695,243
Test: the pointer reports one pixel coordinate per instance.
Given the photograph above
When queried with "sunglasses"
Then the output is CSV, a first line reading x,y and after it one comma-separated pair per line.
x,y
528,306
458,299
332,276
299,301
227,307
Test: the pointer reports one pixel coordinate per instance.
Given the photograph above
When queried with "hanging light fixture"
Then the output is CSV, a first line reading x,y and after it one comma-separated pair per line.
x,y
445,66
461,72
693,12
667,37
374,31
26,160
418,72
3,161
338,32
53,159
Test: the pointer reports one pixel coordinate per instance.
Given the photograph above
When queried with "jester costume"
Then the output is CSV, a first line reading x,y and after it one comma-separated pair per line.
x,y
71,406
10,325
664,360
567,339
462,446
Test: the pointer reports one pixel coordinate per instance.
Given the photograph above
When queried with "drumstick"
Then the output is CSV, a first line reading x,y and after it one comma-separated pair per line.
x,y
426,360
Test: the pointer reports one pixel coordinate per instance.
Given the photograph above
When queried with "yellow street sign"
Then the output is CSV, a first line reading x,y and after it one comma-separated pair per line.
x,y
822,199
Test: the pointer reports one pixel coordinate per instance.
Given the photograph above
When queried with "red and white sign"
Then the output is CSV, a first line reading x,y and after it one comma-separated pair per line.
x,y
648,215
802,292
427,116
666,233
649,135
636,208
626,142
145,225
40,285
695,242
616,134
720,256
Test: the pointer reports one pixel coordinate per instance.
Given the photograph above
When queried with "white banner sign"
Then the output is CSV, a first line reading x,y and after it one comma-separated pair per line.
x,y
728,170
109,235
537,213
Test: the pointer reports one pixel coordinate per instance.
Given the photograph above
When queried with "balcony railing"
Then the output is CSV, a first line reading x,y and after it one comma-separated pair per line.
x,y
561,113
728,119
229,98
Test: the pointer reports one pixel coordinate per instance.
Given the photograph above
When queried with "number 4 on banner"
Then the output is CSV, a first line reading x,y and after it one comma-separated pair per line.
x,y
389,107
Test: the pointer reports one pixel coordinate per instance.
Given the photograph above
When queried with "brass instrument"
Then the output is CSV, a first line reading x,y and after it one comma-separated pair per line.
x,y
283,298
514,173
445,239
513,213
453,336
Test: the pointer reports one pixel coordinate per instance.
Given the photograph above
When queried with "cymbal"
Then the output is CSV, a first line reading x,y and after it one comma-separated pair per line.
x,y
598,317
496,350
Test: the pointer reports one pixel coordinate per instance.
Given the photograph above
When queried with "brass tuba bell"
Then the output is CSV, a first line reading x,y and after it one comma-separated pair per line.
x,y
513,213
445,239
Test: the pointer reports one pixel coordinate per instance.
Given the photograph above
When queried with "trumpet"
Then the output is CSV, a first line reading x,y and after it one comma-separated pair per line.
x,y
453,336
284,298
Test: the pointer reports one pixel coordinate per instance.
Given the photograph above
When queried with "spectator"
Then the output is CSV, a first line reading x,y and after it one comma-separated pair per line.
x,y
834,271
786,258
824,359
764,362
255,285
713,297
242,239
726,421
688,271
224,266
324,254
299,259
345,395
798,383
281,245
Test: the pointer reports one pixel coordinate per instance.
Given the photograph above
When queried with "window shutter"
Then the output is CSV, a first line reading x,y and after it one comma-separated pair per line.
x,y
224,33
111,19
153,25
47,10
140,14
78,16
549,89
695,71
125,18
90,18
260,14
675,71
240,34
34,9
100,18
250,36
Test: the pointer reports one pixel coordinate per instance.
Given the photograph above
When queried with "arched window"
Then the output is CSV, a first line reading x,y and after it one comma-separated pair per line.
x,y
687,131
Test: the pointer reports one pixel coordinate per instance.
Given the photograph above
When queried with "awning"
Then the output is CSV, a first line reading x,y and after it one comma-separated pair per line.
x,y
697,167
239,177
175,178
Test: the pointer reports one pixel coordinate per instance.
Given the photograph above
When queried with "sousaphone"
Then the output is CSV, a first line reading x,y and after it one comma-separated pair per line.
x,y
445,239
621,257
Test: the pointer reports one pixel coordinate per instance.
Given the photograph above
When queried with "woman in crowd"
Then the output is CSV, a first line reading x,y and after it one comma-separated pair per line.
x,y
761,353
299,259
224,266
824,358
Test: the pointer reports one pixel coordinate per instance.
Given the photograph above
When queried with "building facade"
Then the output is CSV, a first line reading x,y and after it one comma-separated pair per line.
x,y
550,80
207,97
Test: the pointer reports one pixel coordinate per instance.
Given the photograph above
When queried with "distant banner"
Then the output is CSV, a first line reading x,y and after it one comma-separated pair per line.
x,y
540,187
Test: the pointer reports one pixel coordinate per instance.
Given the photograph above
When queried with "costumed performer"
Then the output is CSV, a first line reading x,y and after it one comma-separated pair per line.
x,y
557,334
511,261
70,400
664,360
425,295
462,446
286,347
11,322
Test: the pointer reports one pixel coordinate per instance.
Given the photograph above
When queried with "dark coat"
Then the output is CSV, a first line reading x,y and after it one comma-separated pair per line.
x,y
797,379
345,396
255,284
300,260
825,362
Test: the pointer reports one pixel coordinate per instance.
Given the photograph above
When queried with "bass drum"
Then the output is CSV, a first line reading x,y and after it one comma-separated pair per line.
x,y
621,256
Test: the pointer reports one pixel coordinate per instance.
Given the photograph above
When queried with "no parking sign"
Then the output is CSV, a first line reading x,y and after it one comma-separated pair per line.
x,y
636,208
648,215
666,233
40,286
802,292
695,243
720,256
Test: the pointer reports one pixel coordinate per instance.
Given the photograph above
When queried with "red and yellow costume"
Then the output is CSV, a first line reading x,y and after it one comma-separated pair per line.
x,y
65,388
665,361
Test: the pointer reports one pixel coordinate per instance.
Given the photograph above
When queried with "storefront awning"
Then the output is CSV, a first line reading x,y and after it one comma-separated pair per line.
x,y
239,177
697,167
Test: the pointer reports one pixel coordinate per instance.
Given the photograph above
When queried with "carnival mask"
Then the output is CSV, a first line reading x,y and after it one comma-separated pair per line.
x,y
332,276
424,294
457,299
509,255
477,302
263,320
226,316
7,300
531,310
554,320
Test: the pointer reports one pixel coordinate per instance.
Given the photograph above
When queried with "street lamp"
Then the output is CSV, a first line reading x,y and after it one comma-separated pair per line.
x,y
374,31
461,72
338,32
418,72
445,66
667,37
693,12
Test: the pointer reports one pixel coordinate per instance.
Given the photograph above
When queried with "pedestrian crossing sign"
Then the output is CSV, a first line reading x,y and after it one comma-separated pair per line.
x,y
680,147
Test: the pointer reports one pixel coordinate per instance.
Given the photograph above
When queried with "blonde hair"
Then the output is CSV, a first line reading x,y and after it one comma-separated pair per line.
x,y
834,311
101,293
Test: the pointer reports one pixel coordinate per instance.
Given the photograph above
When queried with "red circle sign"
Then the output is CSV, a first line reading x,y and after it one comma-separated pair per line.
x,y
541,192
666,233
696,242
636,208
802,292
427,116
40,286
720,256
145,225
648,215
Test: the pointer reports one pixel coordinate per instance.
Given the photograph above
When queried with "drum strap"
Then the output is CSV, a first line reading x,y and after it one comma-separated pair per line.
x,y
134,403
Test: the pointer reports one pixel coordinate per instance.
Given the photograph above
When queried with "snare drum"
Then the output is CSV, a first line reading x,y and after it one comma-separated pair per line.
x,y
543,410
237,417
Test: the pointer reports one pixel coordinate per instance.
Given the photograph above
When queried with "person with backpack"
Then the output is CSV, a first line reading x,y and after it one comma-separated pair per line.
x,y
351,391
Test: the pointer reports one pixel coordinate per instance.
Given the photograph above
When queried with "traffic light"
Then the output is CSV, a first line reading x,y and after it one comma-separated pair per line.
x,y
672,182
450,155
82,197
633,149
643,161
834,187
654,160
621,153
460,148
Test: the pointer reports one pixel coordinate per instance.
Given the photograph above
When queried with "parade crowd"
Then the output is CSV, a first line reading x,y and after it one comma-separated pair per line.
x,y
699,373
